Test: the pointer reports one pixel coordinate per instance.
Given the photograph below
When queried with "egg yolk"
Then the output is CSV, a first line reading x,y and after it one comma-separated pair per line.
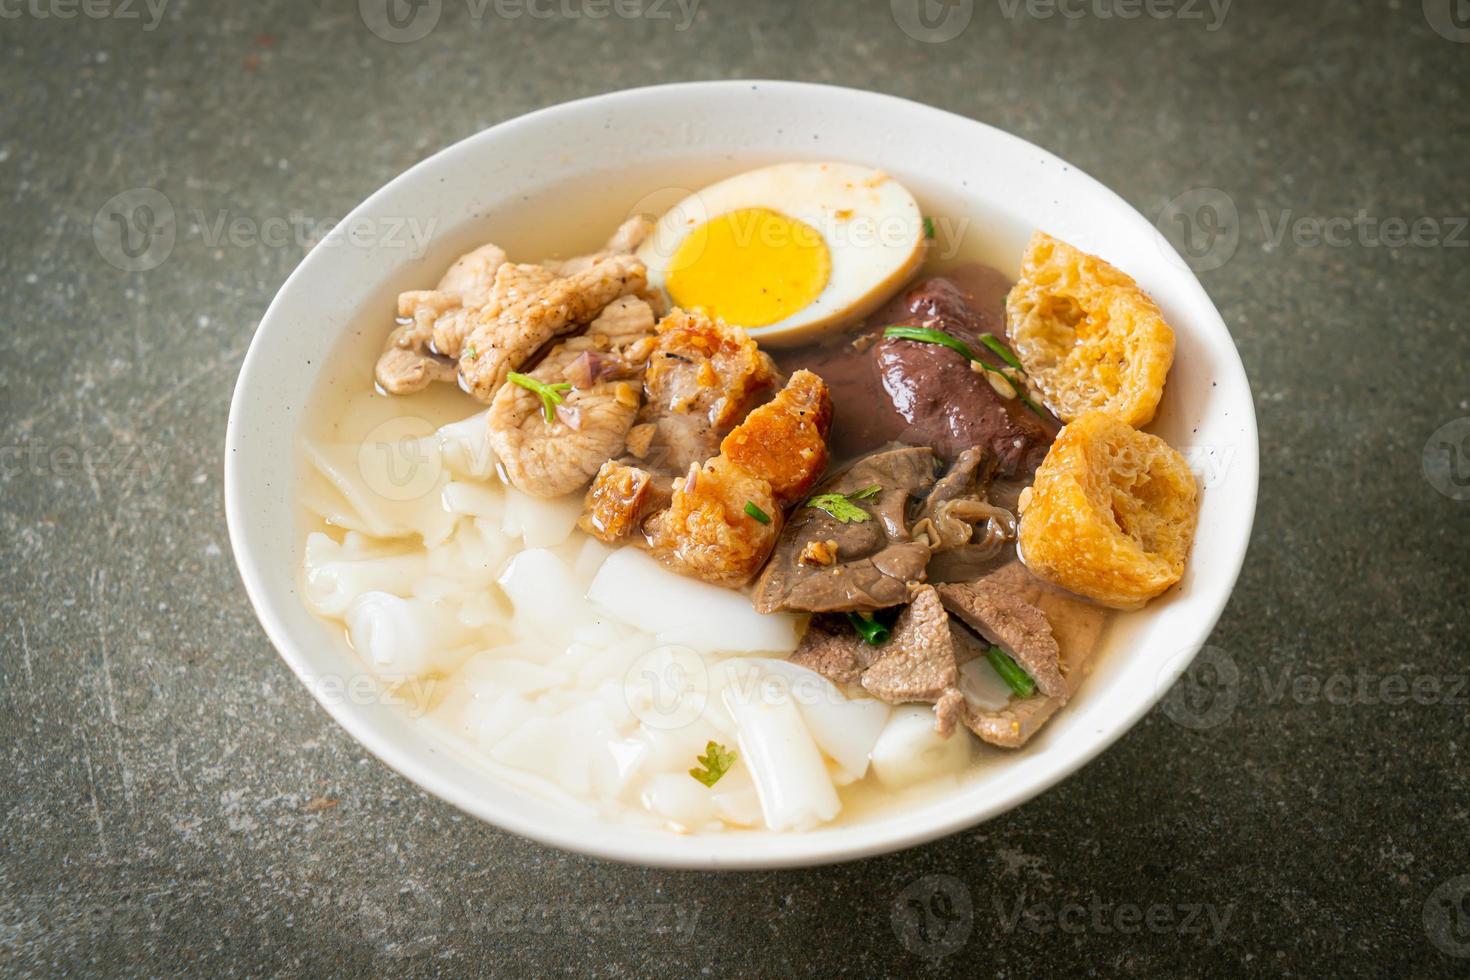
x,y
752,267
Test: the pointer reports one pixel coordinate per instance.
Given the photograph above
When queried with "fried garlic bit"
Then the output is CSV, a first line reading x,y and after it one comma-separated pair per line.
x,y
1089,338
1111,515
819,553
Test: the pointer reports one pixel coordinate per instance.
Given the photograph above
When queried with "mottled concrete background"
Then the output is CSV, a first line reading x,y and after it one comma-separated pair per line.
x,y
172,797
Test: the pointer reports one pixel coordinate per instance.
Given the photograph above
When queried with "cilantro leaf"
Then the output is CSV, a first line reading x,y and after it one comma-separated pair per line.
x,y
842,507
715,762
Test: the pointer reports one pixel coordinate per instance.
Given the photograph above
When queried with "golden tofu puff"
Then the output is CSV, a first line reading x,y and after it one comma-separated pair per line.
x,y
1111,515
1089,338
788,251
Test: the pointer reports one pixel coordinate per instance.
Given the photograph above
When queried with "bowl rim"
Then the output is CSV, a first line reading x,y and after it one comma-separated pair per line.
x,y
723,852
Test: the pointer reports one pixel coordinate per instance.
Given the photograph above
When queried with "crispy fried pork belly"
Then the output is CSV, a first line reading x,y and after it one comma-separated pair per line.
x,y
702,376
707,532
620,498
785,440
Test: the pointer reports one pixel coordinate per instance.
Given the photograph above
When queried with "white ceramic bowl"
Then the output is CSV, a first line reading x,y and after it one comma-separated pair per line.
x,y
700,131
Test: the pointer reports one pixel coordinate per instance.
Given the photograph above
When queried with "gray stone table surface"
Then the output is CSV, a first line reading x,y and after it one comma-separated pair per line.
x,y
164,777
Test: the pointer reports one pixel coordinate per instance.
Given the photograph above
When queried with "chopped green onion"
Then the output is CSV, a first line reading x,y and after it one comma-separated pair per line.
x,y
470,353
1010,672
757,513
1021,393
928,335
1002,351
873,632
928,227
550,394
866,492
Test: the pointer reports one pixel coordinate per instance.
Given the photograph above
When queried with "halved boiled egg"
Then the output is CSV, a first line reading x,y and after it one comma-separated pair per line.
x,y
790,250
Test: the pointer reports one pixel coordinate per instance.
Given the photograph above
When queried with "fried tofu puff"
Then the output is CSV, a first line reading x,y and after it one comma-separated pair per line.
x,y
1111,515
1089,338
